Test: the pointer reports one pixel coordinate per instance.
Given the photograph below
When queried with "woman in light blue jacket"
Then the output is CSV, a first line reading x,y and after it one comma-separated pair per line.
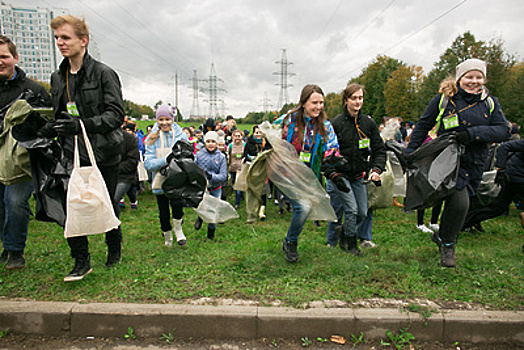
x,y
163,136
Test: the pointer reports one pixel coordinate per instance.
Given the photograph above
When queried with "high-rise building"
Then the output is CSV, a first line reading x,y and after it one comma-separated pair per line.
x,y
29,28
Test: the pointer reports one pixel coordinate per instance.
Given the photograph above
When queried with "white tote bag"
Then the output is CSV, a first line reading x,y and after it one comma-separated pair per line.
x,y
161,152
89,208
141,169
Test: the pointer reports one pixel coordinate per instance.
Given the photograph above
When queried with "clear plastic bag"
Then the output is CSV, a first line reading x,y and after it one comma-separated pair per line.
x,y
293,178
214,210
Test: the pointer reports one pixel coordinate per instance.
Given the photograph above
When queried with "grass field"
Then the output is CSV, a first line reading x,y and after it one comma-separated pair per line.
x,y
246,262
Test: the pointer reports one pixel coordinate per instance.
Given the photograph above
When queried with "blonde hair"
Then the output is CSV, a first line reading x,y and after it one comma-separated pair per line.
x,y
79,24
448,87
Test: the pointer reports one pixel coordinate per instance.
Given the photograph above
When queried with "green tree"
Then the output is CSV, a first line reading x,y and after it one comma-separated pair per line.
x,y
374,78
333,104
400,92
511,96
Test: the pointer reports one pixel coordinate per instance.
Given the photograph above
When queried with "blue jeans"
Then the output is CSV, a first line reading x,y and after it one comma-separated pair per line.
x,y
353,206
14,214
365,230
215,193
301,210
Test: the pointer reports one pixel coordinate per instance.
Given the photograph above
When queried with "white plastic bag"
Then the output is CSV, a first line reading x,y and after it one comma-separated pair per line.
x,y
141,169
214,210
89,208
161,152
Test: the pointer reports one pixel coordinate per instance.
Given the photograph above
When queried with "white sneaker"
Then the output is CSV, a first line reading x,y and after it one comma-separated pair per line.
x,y
367,244
434,227
424,228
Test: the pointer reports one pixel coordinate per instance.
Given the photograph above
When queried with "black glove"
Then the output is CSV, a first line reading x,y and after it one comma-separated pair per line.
x,y
463,137
340,184
502,177
209,176
169,157
67,125
47,131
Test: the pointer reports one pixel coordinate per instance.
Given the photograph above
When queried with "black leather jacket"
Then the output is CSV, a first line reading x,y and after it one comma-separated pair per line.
x,y
98,96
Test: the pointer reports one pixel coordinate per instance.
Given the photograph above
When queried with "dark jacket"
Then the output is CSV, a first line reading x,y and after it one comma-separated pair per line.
x,y
127,169
252,148
510,156
98,96
475,117
359,160
11,90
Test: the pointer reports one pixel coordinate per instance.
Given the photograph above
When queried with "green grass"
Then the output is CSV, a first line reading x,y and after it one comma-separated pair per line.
x,y
246,262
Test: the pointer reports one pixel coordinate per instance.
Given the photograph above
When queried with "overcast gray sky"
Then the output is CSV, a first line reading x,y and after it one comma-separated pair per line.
x,y
328,41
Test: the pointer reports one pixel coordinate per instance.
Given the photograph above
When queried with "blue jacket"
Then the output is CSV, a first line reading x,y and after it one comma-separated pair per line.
x,y
483,126
151,162
215,165
510,156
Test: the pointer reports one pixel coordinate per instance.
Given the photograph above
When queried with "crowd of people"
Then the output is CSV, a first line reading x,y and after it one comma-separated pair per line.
x,y
345,154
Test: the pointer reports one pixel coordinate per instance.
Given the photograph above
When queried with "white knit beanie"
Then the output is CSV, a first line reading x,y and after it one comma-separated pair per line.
x,y
469,65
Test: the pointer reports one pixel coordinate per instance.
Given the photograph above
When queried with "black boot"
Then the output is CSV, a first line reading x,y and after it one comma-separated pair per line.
x,y
353,246
290,248
82,268
342,238
211,233
198,223
114,255
15,260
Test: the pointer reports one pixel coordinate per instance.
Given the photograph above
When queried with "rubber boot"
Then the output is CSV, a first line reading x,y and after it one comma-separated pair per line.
x,y
180,237
168,235
353,246
261,213
211,232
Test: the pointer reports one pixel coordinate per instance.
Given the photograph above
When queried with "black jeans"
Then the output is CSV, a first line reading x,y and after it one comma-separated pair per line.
x,y
508,192
163,211
456,206
435,213
80,245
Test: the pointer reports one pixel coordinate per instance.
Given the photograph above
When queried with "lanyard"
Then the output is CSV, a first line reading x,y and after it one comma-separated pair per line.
x,y
463,109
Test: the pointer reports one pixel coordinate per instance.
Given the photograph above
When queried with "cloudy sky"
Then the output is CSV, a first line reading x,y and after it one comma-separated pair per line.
x,y
328,42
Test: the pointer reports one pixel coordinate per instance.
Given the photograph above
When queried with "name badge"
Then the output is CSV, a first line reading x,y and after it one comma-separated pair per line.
x,y
238,155
305,157
451,122
365,143
72,109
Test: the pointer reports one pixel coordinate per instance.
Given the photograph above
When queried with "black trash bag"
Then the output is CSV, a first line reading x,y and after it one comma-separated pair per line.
x,y
398,149
185,181
432,172
50,175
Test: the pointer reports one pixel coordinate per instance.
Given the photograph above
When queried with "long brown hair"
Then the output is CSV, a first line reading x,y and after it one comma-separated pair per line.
x,y
318,124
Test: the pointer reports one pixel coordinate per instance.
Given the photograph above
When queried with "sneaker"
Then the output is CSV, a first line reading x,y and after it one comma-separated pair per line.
x,y
367,244
114,255
3,257
15,260
82,268
290,249
447,255
122,204
262,213
424,228
179,233
198,223
134,205
434,227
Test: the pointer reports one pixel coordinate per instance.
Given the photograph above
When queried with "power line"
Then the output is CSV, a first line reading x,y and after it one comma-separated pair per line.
x,y
407,37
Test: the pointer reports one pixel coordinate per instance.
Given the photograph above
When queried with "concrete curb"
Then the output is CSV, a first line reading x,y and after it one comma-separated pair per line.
x,y
253,322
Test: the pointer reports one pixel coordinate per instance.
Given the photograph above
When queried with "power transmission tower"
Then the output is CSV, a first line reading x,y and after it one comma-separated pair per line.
x,y
283,97
265,103
195,109
213,91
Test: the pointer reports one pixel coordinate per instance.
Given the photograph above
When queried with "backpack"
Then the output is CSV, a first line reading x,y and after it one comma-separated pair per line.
x,y
444,102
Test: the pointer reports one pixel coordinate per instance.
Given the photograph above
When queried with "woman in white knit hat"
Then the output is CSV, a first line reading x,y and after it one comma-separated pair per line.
x,y
478,120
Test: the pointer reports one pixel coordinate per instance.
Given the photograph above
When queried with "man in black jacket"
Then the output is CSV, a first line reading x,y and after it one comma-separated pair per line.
x,y
85,89
365,158
15,193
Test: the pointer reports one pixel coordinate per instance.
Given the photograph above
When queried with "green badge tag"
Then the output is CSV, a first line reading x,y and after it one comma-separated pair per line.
x,y
451,122
238,155
305,157
365,143
72,109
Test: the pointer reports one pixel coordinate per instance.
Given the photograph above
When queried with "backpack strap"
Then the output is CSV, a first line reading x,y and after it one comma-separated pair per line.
x,y
491,104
